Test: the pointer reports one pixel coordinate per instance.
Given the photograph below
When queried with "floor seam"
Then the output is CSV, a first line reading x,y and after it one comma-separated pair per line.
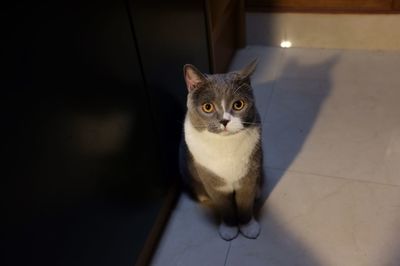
x,y
227,253
331,176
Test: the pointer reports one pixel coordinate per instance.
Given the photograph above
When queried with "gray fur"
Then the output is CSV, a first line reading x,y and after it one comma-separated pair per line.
x,y
234,208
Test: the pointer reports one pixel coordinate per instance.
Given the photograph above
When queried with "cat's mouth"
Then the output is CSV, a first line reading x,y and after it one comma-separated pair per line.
x,y
224,130
227,132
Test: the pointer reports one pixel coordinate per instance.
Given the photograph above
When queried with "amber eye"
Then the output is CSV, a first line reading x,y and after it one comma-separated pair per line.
x,y
207,107
238,105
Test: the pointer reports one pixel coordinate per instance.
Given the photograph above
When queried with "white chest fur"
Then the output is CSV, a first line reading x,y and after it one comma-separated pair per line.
x,y
226,156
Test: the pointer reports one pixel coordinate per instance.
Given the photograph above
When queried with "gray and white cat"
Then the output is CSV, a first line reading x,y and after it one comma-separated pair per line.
x,y
221,150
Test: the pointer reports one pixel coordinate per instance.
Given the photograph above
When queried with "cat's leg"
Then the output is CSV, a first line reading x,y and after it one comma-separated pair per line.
x,y
245,196
223,202
228,229
191,178
225,206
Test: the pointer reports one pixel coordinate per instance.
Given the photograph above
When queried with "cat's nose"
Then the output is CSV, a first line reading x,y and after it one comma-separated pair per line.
x,y
224,122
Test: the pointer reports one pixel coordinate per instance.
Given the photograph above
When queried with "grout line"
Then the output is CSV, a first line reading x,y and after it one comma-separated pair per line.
x,y
331,176
227,253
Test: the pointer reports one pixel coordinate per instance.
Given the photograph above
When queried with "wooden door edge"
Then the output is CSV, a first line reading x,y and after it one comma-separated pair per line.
x,y
151,243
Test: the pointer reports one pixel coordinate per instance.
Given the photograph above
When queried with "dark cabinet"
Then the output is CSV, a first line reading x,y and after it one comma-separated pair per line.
x,y
81,177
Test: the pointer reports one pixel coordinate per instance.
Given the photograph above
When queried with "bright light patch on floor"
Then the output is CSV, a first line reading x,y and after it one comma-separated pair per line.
x,y
286,44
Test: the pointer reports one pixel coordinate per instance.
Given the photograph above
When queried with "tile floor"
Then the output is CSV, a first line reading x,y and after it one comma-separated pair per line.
x,y
331,136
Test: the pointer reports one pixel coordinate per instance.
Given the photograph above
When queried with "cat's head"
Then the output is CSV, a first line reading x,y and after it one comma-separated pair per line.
x,y
221,103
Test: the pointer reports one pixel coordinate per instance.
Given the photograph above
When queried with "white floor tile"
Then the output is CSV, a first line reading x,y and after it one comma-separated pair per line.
x,y
366,67
191,238
389,169
314,220
334,128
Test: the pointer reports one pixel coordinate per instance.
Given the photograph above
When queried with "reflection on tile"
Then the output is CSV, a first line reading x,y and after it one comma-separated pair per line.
x,y
191,238
314,220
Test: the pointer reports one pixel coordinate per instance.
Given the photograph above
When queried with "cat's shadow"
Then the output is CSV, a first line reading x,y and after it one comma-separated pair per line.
x,y
293,107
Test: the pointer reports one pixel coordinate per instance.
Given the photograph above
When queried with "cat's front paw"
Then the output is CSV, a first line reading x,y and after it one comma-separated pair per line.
x,y
251,229
228,232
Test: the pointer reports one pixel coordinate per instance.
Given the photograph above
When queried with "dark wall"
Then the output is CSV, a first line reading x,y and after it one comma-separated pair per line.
x,y
169,35
81,182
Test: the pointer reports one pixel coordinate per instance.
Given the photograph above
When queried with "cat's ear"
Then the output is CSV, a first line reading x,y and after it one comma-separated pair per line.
x,y
248,70
193,77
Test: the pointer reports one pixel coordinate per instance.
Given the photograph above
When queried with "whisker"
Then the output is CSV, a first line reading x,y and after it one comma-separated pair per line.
x,y
249,123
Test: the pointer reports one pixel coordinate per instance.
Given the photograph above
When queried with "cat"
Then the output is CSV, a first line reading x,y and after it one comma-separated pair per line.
x,y
221,148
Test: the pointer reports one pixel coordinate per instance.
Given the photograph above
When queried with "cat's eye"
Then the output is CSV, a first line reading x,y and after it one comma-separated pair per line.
x,y
238,105
207,107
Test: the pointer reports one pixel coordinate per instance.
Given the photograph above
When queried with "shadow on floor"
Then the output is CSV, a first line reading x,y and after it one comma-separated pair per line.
x,y
291,115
